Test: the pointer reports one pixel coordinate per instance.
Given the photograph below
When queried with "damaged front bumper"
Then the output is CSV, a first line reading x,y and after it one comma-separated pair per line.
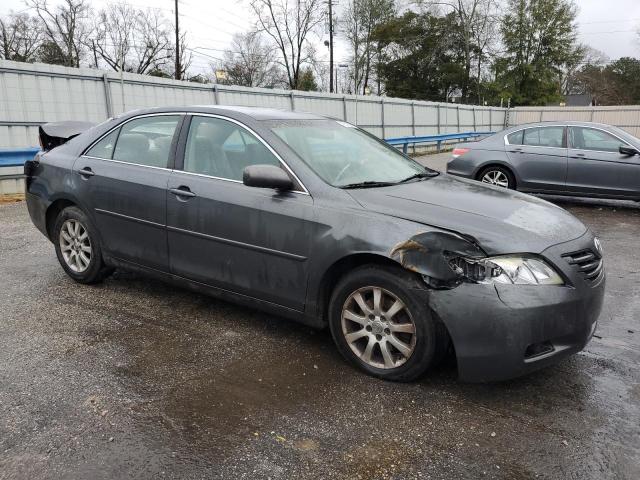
x,y
503,331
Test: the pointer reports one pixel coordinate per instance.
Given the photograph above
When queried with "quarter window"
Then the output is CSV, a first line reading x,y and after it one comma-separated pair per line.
x,y
223,149
591,139
146,140
515,138
104,148
544,137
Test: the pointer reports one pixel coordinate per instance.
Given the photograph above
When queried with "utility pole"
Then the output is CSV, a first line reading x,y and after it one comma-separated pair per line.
x,y
330,46
178,68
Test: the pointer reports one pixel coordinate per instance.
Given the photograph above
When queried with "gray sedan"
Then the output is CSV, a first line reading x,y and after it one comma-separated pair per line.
x,y
316,220
562,158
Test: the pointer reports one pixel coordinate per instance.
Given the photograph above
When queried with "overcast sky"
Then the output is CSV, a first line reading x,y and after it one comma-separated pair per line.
x,y
607,25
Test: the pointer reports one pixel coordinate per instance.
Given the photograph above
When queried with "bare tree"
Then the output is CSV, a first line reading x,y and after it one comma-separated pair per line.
x,y
20,37
288,25
66,28
132,40
249,62
361,18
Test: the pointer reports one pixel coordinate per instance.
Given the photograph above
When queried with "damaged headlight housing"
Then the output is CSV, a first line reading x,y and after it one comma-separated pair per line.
x,y
507,269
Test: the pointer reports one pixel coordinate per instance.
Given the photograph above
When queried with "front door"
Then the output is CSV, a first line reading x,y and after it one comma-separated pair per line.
x,y
252,241
123,179
597,167
539,155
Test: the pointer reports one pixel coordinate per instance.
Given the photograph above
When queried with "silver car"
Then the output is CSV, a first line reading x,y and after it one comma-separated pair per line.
x,y
562,158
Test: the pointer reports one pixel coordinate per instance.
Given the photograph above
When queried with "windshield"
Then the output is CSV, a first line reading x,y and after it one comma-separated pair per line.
x,y
345,156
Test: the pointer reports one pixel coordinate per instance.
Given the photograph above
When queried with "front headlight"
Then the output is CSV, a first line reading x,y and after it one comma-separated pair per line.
x,y
508,269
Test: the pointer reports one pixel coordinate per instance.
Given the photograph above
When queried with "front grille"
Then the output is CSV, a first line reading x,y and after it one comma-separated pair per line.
x,y
588,262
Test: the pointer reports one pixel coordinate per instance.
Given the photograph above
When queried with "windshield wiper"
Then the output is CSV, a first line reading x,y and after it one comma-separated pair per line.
x,y
419,175
367,184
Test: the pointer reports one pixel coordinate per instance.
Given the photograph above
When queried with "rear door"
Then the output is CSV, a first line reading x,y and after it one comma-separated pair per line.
x,y
597,167
539,156
252,241
123,180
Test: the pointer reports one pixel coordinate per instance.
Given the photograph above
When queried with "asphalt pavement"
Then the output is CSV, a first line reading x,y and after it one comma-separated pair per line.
x,y
133,378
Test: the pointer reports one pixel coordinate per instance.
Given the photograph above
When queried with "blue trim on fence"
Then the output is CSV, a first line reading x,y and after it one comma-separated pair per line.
x,y
15,157
437,139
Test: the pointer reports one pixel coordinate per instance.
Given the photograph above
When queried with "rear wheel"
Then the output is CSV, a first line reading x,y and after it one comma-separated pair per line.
x,y
498,176
379,325
78,247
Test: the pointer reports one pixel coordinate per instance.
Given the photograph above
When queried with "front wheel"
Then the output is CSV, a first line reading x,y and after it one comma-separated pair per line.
x,y
498,176
78,247
379,325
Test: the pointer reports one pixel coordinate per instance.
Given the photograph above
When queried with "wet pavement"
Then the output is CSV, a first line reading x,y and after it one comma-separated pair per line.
x,y
134,378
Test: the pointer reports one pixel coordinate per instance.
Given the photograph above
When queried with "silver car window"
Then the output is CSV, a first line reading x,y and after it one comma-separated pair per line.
x,y
223,149
146,140
544,137
585,138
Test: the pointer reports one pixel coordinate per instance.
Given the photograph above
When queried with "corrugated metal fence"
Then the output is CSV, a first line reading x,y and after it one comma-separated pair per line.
x,y
625,117
32,94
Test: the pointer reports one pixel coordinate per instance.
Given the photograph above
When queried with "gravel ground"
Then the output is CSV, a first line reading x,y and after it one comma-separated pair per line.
x,y
134,378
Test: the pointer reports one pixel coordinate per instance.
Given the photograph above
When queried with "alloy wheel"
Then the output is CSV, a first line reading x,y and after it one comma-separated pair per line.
x,y
378,327
496,177
75,245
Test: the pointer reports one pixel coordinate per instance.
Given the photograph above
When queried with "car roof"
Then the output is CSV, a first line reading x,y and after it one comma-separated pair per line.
x,y
558,122
256,113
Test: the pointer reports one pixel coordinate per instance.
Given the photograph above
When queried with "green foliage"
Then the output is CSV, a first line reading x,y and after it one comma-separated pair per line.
x,y
421,56
539,38
51,53
307,81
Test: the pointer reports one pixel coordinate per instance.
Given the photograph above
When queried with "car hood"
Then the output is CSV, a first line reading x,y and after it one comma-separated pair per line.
x,y
500,220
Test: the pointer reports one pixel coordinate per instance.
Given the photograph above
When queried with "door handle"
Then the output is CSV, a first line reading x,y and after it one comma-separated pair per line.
x,y
578,155
516,150
182,191
86,172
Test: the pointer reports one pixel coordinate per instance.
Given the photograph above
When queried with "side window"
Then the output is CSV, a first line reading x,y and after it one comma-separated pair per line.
x,y
544,137
515,138
223,149
146,140
592,139
104,148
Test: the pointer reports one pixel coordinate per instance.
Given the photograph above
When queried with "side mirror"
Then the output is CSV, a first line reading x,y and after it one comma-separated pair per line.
x,y
266,176
627,150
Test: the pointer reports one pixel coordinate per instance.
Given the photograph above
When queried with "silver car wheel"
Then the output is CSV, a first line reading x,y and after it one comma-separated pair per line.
x,y
75,245
378,327
496,177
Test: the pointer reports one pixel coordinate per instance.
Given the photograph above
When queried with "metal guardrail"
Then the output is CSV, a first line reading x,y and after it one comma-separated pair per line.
x,y
437,139
15,157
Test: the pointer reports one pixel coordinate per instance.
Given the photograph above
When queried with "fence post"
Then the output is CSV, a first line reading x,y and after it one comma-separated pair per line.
x,y
293,103
413,118
216,100
490,120
438,117
107,95
382,115
541,112
591,116
344,108
458,117
473,110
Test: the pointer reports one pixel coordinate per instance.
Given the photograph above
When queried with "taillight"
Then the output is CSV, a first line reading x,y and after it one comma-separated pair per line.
x,y
458,152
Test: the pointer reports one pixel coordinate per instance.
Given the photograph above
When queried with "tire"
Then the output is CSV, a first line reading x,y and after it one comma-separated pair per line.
x,y
498,176
394,284
71,247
